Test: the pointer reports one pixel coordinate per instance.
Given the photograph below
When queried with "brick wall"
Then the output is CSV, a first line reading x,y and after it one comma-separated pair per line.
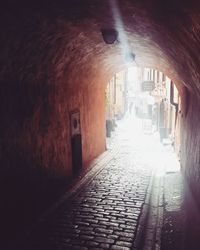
x,y
53,59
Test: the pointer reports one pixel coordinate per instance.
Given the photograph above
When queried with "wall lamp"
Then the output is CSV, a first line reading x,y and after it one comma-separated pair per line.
x,y
109,35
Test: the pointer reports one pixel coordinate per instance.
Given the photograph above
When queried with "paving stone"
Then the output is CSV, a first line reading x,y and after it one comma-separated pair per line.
x,y
102,230
126,239
124,234
101,235
89,229
86,237
103,219
91,221
105,246
115,247
104,240
112,236
123,243
98,226
92,243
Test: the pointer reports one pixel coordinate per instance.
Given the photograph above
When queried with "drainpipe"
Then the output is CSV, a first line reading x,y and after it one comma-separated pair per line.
x,y
172,101
125,91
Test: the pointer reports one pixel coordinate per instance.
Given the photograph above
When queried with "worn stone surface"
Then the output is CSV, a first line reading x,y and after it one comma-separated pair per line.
x,y
190,167
105,213
174,223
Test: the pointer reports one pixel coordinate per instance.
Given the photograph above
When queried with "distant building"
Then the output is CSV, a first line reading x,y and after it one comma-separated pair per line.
x,y
150,95
163,111
116,96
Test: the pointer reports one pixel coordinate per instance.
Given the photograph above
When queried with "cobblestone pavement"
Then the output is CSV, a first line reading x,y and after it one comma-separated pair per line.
x,y
173,229
173,233
105,213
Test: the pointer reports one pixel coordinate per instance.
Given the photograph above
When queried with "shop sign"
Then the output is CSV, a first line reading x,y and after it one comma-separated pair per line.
x,y
148,85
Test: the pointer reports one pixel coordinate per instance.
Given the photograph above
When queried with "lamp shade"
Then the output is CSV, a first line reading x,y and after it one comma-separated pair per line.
x,y
109,35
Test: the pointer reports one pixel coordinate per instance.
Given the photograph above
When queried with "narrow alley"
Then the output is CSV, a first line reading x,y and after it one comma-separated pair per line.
x,y
100,124
110,211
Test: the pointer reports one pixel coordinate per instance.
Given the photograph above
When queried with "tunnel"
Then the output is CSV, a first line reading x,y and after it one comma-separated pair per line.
x,y
55,64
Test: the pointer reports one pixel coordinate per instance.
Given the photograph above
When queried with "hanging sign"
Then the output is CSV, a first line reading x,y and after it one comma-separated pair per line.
x,y
148,85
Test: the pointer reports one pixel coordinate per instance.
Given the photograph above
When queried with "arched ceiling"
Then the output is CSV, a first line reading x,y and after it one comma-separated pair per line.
x,y
62,39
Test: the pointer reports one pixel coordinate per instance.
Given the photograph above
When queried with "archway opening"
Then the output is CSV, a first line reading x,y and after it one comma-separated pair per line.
x,y
143,113
149,95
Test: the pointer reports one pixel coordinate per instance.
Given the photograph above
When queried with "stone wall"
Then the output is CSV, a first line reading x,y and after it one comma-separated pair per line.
x,y
190,143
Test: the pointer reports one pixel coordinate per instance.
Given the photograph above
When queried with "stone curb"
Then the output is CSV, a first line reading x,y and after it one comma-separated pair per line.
x,y
148,236
140,231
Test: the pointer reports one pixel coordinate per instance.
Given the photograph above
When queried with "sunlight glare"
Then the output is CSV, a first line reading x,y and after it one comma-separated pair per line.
x,y
161,159
120,28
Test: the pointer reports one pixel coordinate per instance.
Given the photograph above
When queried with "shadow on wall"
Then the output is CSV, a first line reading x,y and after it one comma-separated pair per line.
x,y
192,208
26,187
190,155
35,151
26,190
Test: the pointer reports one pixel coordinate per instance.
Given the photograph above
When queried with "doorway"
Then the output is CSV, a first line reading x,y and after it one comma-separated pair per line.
x,y
76,141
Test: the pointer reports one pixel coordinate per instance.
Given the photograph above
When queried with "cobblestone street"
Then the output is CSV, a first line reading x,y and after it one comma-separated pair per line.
x,y
105,213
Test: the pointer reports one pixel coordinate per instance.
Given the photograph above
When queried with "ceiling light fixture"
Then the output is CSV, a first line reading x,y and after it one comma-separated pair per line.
x,y
109,35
